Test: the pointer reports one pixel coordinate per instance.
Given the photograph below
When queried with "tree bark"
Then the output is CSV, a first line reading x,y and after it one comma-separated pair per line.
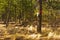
x,y
40,17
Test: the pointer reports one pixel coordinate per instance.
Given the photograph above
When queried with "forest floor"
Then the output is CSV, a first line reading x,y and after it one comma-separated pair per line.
x,y
27,33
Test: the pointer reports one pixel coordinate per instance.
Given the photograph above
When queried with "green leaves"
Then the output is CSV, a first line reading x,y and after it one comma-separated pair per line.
x,y
18,8
51,12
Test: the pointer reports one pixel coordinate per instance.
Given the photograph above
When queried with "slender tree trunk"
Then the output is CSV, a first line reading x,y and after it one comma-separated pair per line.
x,y
15,14
8,11
40,17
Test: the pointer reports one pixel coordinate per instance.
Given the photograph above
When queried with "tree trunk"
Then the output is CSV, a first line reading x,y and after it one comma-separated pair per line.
x,y
40,17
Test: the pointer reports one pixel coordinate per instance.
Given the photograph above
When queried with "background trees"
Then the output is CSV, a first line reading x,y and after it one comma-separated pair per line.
x,y
51,12
14,10
26,10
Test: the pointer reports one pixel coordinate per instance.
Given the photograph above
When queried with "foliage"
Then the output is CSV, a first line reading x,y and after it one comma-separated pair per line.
x,y
13,10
